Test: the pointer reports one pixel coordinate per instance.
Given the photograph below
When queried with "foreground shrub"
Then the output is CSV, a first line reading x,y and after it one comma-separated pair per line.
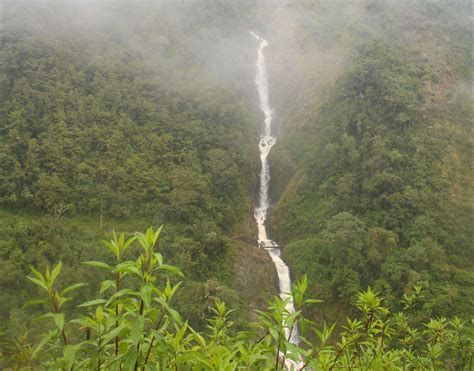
x,y
132,325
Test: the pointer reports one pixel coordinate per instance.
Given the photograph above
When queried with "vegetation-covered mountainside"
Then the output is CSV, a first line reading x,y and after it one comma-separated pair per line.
x,y
125,114
111,135
115,119
381,185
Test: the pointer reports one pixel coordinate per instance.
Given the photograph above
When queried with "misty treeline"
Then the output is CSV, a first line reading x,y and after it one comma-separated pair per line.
x,y
124,114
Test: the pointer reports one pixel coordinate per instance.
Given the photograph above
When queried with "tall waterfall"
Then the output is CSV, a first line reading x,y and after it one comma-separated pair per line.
x,y
261,211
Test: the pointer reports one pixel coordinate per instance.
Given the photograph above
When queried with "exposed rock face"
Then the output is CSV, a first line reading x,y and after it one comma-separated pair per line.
x,y
255,277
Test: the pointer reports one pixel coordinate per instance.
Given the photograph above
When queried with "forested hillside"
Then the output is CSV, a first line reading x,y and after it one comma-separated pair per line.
x,y
111,135
111,119
381,192
120,115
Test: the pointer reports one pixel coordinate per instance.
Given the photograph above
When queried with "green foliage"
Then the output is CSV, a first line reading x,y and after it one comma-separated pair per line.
x,y
28,239
371,204
115,126
106,138
133,325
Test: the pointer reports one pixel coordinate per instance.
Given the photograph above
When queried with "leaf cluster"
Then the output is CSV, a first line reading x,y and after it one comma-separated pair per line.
x,y
133,325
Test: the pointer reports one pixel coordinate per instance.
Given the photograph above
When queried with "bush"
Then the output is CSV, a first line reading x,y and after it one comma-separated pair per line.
x,y
132,325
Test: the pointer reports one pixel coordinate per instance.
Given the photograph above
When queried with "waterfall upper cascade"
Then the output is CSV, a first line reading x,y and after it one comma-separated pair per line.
x,y
261,211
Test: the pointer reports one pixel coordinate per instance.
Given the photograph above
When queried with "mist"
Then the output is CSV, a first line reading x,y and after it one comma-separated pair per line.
x,y
310,41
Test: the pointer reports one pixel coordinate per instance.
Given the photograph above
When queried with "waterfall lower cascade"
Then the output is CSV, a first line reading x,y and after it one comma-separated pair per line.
x,y
261,211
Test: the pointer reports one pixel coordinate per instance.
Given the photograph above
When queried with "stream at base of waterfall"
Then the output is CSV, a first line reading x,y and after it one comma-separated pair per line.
x,y
261,211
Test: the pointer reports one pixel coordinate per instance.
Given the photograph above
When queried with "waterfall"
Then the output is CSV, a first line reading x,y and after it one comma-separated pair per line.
x,y
261,211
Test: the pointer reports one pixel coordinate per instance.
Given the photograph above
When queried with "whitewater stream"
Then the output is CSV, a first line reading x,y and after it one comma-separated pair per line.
x,y
261,210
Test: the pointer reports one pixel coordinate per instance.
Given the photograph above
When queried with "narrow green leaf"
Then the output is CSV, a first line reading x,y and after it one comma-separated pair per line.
x,y
44,340
112,246
157,234
86,322
69,354
38,274
117,295
56,271
145,294
36,302
92,302
114,333
130,359
158,257
313,301
72,288
99,314
38,282
97,264
129,242
171,269
127,267
137,329
105,285
59,320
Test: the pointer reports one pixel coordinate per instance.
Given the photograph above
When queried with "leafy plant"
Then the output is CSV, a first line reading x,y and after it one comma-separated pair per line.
x,y
132,325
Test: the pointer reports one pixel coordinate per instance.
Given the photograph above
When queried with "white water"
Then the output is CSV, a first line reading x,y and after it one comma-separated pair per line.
x,y
261,211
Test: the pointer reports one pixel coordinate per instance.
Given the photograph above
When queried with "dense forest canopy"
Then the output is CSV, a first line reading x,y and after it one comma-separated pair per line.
x,y
110,117
120,115
370,171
